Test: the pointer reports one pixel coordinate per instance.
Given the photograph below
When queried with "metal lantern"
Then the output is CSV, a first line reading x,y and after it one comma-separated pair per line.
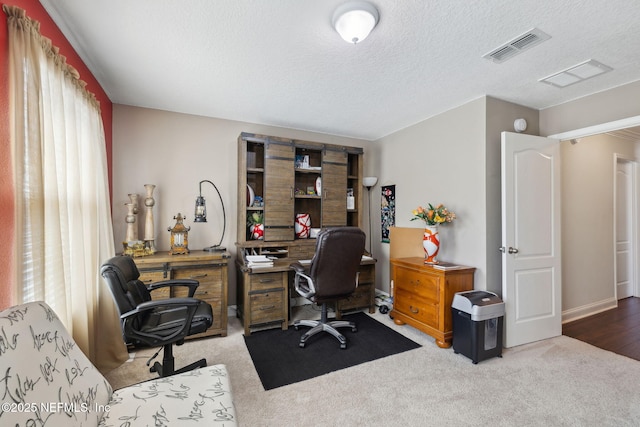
x,y
179,237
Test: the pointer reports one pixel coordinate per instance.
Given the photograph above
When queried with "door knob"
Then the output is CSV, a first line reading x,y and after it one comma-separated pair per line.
x,y
510,250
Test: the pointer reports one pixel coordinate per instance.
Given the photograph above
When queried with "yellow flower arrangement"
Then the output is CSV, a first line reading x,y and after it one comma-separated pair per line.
x,y
433,216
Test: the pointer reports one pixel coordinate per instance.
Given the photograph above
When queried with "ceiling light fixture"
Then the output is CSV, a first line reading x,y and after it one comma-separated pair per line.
x,y
354,20
577,73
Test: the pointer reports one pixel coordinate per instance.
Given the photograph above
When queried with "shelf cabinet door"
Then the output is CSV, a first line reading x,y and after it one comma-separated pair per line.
x,y
334,188
278,190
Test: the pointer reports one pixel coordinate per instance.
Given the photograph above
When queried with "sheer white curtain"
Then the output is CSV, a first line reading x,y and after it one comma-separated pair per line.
x,y
63,218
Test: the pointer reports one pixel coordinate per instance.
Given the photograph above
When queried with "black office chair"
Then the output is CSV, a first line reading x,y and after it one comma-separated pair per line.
x,y
332,275
151,323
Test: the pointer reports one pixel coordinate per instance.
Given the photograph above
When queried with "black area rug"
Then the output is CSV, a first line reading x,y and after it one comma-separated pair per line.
x,y
280,361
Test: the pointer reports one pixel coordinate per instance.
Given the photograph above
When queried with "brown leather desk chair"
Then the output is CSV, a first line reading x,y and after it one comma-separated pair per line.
x,y
332,275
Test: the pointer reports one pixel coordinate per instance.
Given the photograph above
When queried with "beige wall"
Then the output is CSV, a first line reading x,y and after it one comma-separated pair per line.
x,y
604,107
439,160
453,158
175,152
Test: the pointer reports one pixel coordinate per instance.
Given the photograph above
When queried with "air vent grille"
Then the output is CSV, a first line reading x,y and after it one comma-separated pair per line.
x,y
518,45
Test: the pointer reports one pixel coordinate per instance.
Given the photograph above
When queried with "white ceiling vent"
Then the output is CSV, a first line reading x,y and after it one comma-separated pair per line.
x,y
518,45
583,71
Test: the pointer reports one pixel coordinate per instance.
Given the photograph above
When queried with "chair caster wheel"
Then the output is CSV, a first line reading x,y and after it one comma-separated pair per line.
x,y
383,309
301,345
343,346
354,329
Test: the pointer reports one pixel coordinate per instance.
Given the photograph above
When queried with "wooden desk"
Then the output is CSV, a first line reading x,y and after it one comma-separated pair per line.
x,y
208,268
422,296
263,294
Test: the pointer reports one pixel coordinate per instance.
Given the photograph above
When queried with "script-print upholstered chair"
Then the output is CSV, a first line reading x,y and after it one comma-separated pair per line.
x,y
48,381
155,323
332,275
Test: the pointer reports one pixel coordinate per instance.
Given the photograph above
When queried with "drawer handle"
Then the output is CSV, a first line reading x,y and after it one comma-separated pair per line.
x,y
198,276
266,280
413,309
267,307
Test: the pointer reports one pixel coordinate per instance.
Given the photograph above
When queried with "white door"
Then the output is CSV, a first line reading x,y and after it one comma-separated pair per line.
x,y
531,267
624,229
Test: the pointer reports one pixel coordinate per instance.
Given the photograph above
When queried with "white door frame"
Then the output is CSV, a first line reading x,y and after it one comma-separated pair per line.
x,y
598,129
634,221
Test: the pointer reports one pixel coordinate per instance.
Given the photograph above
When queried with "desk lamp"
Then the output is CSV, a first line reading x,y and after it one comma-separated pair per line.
x,y
201,216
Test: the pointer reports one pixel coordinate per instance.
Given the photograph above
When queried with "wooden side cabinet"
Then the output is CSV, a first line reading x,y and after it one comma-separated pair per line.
x,y
210,269
422,296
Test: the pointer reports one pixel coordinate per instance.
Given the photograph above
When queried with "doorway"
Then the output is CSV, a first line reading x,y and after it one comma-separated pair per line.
x,y
590,285
625,227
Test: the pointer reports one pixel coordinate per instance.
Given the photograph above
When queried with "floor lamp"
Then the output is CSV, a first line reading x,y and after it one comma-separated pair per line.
x,y
368,182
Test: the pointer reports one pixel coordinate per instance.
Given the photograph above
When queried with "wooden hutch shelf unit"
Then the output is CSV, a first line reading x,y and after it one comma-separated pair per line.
x,y
291,177
208,268
422,296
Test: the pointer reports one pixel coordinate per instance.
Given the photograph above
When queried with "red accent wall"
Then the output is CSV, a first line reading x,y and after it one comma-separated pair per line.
x,y
7,221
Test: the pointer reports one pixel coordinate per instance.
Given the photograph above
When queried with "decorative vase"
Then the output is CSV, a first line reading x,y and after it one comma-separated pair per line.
x,y
431,244
149,228
257,231
130,219
302,225
134,201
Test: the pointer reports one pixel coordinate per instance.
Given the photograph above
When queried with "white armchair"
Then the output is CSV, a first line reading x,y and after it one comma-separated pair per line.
x,y
47,380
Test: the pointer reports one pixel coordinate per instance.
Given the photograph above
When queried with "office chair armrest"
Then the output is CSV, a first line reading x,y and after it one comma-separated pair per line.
x,y
304,284
129,319
297,267
190,283
170,303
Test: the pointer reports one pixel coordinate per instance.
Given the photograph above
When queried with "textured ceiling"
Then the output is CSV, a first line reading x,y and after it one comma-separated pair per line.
x,y
279,62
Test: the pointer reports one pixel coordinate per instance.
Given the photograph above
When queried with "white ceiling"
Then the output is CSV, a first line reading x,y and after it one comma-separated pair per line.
x,y
280,62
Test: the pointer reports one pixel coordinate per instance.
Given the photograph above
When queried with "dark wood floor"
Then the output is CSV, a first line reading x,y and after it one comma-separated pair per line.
x,y
616,330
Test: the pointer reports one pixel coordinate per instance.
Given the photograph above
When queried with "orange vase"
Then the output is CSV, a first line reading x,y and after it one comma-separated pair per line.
x,y
431,244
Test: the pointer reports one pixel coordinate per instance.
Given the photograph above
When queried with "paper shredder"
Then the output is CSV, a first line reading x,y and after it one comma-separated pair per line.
x,y
478,318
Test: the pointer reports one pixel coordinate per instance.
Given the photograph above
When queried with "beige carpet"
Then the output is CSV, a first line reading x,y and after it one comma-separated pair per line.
x,y
556,382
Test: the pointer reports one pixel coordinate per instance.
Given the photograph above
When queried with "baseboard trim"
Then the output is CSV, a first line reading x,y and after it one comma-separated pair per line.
x,y
588,310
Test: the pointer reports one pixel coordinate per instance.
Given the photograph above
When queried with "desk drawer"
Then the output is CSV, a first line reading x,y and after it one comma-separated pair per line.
x,y
367,274
152,276
414,282
210,280
264,281
420,309
303,250
266,307
204,275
